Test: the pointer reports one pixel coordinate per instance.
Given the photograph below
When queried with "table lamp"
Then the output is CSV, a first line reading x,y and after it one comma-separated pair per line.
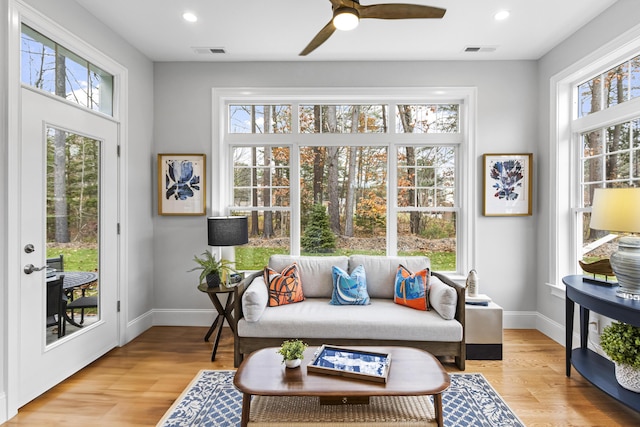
x,y
228,231
618,209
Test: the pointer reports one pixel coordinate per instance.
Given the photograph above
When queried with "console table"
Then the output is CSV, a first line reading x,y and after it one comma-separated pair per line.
x,y
595,368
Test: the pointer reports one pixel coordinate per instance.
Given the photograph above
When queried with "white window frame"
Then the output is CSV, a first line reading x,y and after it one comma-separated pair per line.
x,y
564,139
223,141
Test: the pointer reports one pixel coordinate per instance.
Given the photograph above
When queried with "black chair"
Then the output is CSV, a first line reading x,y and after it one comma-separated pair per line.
x,y
55,264
82,303
56,304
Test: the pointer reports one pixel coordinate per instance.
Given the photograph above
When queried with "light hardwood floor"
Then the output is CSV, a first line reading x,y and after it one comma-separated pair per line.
x,y
135,385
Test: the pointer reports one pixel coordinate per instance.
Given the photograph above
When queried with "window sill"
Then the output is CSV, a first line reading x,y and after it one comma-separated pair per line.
x,y
558,291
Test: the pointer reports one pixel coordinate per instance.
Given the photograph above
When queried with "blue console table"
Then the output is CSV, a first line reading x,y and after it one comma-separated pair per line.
x,y
597,369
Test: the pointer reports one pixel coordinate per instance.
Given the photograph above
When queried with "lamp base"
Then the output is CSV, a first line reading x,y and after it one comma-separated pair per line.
x,y
626,266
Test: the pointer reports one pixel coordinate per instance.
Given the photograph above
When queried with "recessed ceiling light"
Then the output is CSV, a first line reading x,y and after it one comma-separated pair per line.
x,y
189,17
501,15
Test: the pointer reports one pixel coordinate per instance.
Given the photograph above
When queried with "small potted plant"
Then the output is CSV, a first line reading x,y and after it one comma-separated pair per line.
x,y
292,352
621,342
212,269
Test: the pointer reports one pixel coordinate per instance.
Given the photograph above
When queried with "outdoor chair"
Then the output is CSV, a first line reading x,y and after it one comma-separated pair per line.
x,y
56,302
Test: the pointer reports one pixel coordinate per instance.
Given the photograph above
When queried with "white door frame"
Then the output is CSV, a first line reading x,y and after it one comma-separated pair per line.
x,y
19,12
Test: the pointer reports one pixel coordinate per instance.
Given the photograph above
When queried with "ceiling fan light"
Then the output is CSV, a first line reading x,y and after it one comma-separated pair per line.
x,y
346,18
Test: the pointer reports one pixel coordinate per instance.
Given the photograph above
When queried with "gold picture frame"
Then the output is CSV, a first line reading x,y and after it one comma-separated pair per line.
x,y
182,185
507,184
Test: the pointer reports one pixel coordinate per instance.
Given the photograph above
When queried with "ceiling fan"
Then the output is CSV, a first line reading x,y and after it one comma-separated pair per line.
x,y
347,13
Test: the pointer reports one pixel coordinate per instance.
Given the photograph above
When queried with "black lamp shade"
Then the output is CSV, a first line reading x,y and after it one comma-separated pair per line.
x,y
228,230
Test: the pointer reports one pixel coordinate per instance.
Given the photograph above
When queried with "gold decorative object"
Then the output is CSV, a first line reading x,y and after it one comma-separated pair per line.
x,y
602,266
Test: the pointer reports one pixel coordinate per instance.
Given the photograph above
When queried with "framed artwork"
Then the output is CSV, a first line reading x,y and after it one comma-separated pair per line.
x,y
181,184
507,184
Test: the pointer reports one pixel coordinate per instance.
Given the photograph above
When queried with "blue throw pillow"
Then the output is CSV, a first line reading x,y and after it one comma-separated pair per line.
x,y
349,289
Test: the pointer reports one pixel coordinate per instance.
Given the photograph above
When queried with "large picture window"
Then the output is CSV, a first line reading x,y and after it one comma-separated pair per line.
x,y
346,177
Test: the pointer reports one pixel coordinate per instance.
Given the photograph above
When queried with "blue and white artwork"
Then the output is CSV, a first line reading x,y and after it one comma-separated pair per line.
x,y
181,183
507,184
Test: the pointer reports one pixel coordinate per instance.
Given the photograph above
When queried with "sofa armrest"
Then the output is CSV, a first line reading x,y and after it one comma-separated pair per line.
x,y
460,305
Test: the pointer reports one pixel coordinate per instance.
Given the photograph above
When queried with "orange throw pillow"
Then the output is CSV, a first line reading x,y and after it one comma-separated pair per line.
x,y
411,288
285,287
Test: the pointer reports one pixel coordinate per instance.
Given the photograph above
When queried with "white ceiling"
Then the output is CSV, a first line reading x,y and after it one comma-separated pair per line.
x,y
277,30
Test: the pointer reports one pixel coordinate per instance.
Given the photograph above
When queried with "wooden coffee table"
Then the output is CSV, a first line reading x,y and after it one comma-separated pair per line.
x,y
413,372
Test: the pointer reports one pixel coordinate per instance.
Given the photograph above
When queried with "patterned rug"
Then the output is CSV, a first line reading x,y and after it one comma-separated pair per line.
x,y
211,400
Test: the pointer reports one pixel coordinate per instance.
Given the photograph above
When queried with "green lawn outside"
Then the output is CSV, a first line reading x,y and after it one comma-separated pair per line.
x,y
254,258
76,259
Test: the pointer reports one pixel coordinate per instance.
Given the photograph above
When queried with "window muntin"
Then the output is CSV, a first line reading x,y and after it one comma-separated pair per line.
x,y
615,86
426,176
426,202
259,118
261,176
48,66
610,158
343,118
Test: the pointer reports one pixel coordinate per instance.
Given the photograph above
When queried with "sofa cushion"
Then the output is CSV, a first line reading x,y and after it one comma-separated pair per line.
x,y
410,289
255,299
285,287
443,298
380,320
349,289
381,271
315,272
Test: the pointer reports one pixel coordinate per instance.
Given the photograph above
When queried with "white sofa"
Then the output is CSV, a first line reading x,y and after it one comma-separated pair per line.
x,y
441,330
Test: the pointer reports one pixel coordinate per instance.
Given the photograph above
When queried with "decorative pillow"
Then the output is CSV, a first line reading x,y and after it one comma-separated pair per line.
x,y
443,298
411,288
255,299
349,289
285,287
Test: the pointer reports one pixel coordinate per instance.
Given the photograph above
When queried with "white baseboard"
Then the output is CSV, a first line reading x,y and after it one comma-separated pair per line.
x,y
519,319
138,326
168,317
4,417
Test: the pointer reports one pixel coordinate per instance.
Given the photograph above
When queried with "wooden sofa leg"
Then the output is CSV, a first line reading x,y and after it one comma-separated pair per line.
x,y
460,363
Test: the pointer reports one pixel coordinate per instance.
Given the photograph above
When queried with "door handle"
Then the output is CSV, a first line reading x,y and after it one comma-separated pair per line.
x,y
30,268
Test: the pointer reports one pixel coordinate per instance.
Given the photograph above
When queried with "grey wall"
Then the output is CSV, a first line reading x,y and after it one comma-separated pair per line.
x,y
506,122
619,18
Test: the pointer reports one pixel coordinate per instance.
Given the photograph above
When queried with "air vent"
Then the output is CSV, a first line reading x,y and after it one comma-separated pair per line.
x,y
209,50
480,49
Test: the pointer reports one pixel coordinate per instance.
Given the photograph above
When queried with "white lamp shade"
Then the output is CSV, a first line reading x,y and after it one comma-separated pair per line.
x,y
346,18
616,209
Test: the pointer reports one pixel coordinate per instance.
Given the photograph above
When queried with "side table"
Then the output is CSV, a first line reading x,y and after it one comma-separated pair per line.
x,y
224,312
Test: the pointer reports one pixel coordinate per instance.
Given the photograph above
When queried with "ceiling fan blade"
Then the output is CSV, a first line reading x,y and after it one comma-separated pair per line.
x,y
320,38
399,11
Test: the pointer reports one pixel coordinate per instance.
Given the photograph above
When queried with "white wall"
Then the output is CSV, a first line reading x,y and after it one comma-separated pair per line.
x,y
619,18
507,123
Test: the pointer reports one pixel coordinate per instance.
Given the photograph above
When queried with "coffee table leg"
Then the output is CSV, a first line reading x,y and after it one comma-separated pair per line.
x,y
437,405
246,409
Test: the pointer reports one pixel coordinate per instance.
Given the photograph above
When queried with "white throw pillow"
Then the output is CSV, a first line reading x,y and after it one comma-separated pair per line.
x,y
255,299
443,298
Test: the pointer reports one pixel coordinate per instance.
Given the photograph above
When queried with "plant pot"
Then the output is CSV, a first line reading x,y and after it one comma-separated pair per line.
x,y
293,363
213,280
628,377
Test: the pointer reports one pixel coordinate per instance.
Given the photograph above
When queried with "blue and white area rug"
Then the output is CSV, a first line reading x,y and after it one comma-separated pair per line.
x,y
211,400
